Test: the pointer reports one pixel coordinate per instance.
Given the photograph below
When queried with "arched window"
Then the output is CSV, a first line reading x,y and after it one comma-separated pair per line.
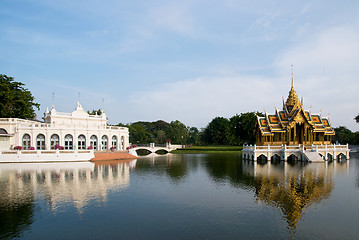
x,y
54,140
3,131
81,142
122,143
114,142
69,145
26,142
40,142
93,142
104,142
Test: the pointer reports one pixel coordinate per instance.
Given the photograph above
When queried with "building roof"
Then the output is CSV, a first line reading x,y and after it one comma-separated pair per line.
x,y
292,113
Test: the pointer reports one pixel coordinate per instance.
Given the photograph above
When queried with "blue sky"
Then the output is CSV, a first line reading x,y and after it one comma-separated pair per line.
x,y
184,60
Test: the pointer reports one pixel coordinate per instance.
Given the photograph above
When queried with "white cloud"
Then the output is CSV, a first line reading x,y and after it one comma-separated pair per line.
x,y
195,102
326,74
333,51
175,17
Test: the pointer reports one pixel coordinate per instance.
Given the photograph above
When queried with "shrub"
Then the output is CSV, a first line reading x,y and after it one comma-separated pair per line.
x,y
57,146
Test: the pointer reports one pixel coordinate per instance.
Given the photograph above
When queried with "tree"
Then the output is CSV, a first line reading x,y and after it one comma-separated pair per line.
x,y
343,135
247,126
15,100
161,136
194,136
95,112
357,118
138,134
235,130
177,132
217,131
242,128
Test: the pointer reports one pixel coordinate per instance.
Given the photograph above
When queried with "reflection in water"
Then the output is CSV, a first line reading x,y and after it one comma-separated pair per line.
x,y
209,196
16,210
173,165
292,188
63,182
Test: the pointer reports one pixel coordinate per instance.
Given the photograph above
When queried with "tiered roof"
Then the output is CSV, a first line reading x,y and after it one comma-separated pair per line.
x,y
292,111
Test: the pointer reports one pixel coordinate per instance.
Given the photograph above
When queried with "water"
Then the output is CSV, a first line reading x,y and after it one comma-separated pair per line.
x,y
202,196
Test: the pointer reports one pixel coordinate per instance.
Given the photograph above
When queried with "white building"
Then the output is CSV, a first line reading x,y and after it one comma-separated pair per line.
x,y
76,130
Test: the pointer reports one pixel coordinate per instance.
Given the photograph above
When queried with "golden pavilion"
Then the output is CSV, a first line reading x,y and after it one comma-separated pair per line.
x,y
293,125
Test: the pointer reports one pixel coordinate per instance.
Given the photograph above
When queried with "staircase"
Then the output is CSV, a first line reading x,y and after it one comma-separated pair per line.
x,y
313,156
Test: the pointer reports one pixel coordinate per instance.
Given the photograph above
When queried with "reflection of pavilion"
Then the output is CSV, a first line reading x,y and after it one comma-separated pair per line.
x,y
66,182
292,188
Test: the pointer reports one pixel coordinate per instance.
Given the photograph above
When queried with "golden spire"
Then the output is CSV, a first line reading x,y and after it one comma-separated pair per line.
x,y
292,102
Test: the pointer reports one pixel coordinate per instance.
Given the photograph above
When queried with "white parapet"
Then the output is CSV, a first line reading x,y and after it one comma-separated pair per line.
x,y
301,152
46,156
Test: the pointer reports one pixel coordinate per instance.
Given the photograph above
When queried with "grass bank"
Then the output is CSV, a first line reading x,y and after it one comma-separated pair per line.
x,y
209,149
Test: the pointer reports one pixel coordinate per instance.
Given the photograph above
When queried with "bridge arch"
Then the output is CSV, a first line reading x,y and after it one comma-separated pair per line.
x,y
143,151
152,148
275,157
341,156
293,157
262,157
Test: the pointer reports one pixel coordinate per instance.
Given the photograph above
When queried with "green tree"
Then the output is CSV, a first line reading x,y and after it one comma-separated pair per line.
x,y
161,137
247,126
95,112
177,132
242,128
194,136
343,135
357,118
138,134
235,130
217,131
15,100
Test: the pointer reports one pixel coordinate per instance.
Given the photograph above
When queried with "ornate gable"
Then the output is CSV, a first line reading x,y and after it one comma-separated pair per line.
x,y
293,124
292,105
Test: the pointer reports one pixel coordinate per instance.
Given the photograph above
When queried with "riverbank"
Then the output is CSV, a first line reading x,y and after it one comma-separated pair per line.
x,y
208,149
109,155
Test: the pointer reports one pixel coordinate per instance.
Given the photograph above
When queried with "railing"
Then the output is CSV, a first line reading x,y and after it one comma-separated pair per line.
x,y
63,114
298,147
116,127
153,145
28,124
42,151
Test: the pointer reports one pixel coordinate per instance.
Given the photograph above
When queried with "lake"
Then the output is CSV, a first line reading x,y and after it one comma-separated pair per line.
x,y
173,196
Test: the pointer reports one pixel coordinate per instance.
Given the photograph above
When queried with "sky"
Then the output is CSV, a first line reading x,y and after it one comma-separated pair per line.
x,y
189,60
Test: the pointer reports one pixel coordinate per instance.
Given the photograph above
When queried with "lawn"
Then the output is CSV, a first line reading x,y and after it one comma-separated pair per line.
x,y
209,149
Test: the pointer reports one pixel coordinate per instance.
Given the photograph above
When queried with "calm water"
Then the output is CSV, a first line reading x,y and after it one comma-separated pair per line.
x,y
200,196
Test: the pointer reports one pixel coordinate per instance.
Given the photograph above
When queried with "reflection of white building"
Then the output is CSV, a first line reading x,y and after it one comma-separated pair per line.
x,y
62,183
76,130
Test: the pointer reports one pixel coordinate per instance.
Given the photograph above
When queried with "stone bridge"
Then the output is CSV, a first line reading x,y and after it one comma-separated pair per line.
x,y
152,147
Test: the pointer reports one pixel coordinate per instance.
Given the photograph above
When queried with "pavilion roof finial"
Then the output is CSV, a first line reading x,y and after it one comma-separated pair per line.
x,y
292,76
53,100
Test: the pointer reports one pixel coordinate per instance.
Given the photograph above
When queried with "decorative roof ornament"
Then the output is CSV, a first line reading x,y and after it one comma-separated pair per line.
x,y
53,100
79,107
293,102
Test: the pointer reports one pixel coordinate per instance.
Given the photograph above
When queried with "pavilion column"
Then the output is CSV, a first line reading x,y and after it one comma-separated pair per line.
x,y
289,136
282,137
311,136
302,132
